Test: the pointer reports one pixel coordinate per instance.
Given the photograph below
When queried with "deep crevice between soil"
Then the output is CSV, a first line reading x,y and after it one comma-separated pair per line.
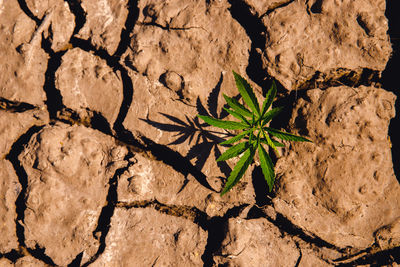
x,y
20,203
54,98
390,80
14,106
104,221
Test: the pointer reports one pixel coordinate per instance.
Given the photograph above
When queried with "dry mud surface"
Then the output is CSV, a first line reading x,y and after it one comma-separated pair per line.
x,y
103,161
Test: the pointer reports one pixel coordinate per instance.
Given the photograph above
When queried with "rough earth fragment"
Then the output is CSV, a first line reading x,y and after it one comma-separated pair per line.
x,y
105,20
62,21
13,125
256,243
24,62
388,237
9,191
321,41
86,82
145,237
68,170
326,187
149,179
6,263
29,261
196,41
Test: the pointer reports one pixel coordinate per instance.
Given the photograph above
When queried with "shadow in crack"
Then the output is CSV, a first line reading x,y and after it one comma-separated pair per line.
x,y
390,81
202,141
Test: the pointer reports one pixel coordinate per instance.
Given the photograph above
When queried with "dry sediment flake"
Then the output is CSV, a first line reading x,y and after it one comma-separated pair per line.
x,y
325,40
9,190
62,21
105,20
87,82
23,61
68,169
12,126
148,179
145,237
326,187
256,243
182,42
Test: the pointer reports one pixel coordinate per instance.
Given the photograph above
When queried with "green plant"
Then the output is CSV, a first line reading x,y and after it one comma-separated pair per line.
x,y
255,132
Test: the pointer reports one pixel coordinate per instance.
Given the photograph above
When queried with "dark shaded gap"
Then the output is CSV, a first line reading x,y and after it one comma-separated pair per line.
x,y
54,98
24,7
98,122
300,255
289,102
316,7
103,224
256,31
363,25
390,80
15,106
20,203
217,229
79,13
382,258
13,255
77,261
263,196
133,14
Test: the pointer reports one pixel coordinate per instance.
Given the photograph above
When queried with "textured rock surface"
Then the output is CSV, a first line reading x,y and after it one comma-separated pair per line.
x,y
148,179
324,40
25,62
9,190
256,243
68,171
62,21
87,82
28,261
143,189
105,20
179,38
13,125
326,187
145,237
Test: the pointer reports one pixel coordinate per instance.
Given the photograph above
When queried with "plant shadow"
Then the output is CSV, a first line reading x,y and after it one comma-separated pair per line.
x,y
203,141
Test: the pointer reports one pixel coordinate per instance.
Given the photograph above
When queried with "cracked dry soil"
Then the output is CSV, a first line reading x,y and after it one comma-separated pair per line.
x,y
103,161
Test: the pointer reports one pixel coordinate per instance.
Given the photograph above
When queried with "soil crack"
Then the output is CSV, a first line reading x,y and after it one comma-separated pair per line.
x,y
14,106
20,203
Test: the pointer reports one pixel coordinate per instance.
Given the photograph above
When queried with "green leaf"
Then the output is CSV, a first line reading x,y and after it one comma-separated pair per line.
x,y
239,170
239,108
230,125
270,115
276,143
247,93
266,166
269,141
285,135
236,138
234,151
237,115
269,98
